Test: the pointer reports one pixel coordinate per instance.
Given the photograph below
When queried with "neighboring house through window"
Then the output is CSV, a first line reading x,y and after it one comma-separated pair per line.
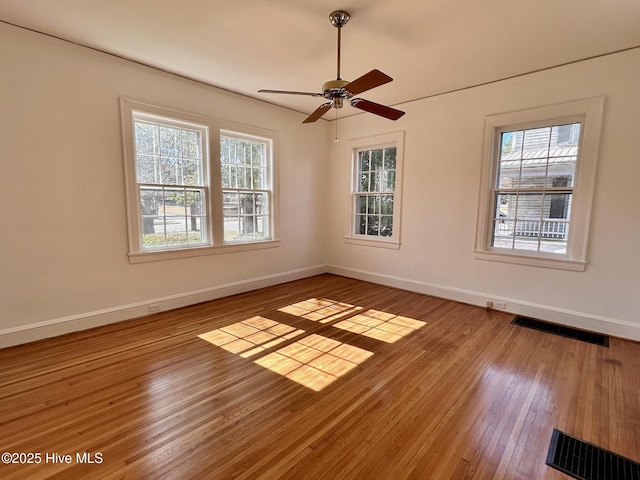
x,y
537,187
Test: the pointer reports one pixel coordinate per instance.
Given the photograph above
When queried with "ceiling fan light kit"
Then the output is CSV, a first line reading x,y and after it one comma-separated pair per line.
x,y
339,90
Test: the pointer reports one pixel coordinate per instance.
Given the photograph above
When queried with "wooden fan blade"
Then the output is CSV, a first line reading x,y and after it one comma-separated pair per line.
x,y
370,80
289,92
321,110
376,108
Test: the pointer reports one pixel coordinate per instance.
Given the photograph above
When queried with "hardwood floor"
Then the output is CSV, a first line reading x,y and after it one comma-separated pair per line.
x,y
366,391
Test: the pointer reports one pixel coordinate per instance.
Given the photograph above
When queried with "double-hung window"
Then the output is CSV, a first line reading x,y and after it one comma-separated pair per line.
x,y
172,181
245,187
538,177
374,218
374,192
195,185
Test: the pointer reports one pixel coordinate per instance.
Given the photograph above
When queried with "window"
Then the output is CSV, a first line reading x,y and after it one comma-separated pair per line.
x,y
374,218
245,184
171,179
194,185
538,177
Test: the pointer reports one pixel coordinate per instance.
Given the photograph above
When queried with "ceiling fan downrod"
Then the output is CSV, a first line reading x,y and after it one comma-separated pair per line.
x,y
339,19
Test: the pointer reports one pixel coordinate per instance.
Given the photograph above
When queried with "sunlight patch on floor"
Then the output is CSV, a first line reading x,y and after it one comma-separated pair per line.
x,y
251,336
321,310
382,326
314,361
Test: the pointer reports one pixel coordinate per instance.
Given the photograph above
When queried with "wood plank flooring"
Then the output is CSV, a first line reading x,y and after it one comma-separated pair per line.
x,y
322,378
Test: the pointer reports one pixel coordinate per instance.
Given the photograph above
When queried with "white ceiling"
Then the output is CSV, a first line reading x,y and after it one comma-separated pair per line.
x,y
428,47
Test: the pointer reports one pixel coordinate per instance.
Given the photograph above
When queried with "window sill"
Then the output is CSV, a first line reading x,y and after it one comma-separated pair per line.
x,y
532,260
161,255
392,244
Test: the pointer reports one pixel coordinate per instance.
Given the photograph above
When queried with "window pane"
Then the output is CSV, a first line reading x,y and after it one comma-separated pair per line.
x,y
228,176
376,159
151,202
390,158
146,168
563,165
146,138
258,178
536,142
231,204
527,228
373,204
565,135
363,161
248,181
174,202
191,144
503,233
170,141
375,181
386,204
246,213
176,236
505,205
258,159
388,181
386,226
361,225
241,176
523,243
508,173
363,186
529,206
195,211
361,204
558,205
191,172
373,224
262,203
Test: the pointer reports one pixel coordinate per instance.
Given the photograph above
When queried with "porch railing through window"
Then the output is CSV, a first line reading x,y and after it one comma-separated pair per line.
x,y
547,229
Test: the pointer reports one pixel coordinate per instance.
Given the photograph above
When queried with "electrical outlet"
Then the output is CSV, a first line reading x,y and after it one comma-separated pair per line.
x,y
154,307
497,304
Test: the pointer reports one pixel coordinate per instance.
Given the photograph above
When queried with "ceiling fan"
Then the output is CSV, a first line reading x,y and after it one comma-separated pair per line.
x,y
339,90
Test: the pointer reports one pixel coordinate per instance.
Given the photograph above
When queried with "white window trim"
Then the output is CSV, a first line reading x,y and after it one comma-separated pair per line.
x,y
394,139
589,112
214,205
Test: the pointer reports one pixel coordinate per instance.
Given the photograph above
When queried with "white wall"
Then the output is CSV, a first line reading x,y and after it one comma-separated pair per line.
x,y
443,147
63,240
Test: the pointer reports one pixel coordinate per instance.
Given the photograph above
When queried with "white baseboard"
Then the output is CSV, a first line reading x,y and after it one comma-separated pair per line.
x,y
581,320
60,326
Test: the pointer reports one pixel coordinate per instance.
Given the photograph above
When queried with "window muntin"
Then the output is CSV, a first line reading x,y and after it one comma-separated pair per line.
x,y
375,192
533,189
170,160
244,165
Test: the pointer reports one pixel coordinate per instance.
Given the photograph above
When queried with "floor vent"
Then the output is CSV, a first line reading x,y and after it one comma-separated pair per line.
x,y
585,461
569,332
